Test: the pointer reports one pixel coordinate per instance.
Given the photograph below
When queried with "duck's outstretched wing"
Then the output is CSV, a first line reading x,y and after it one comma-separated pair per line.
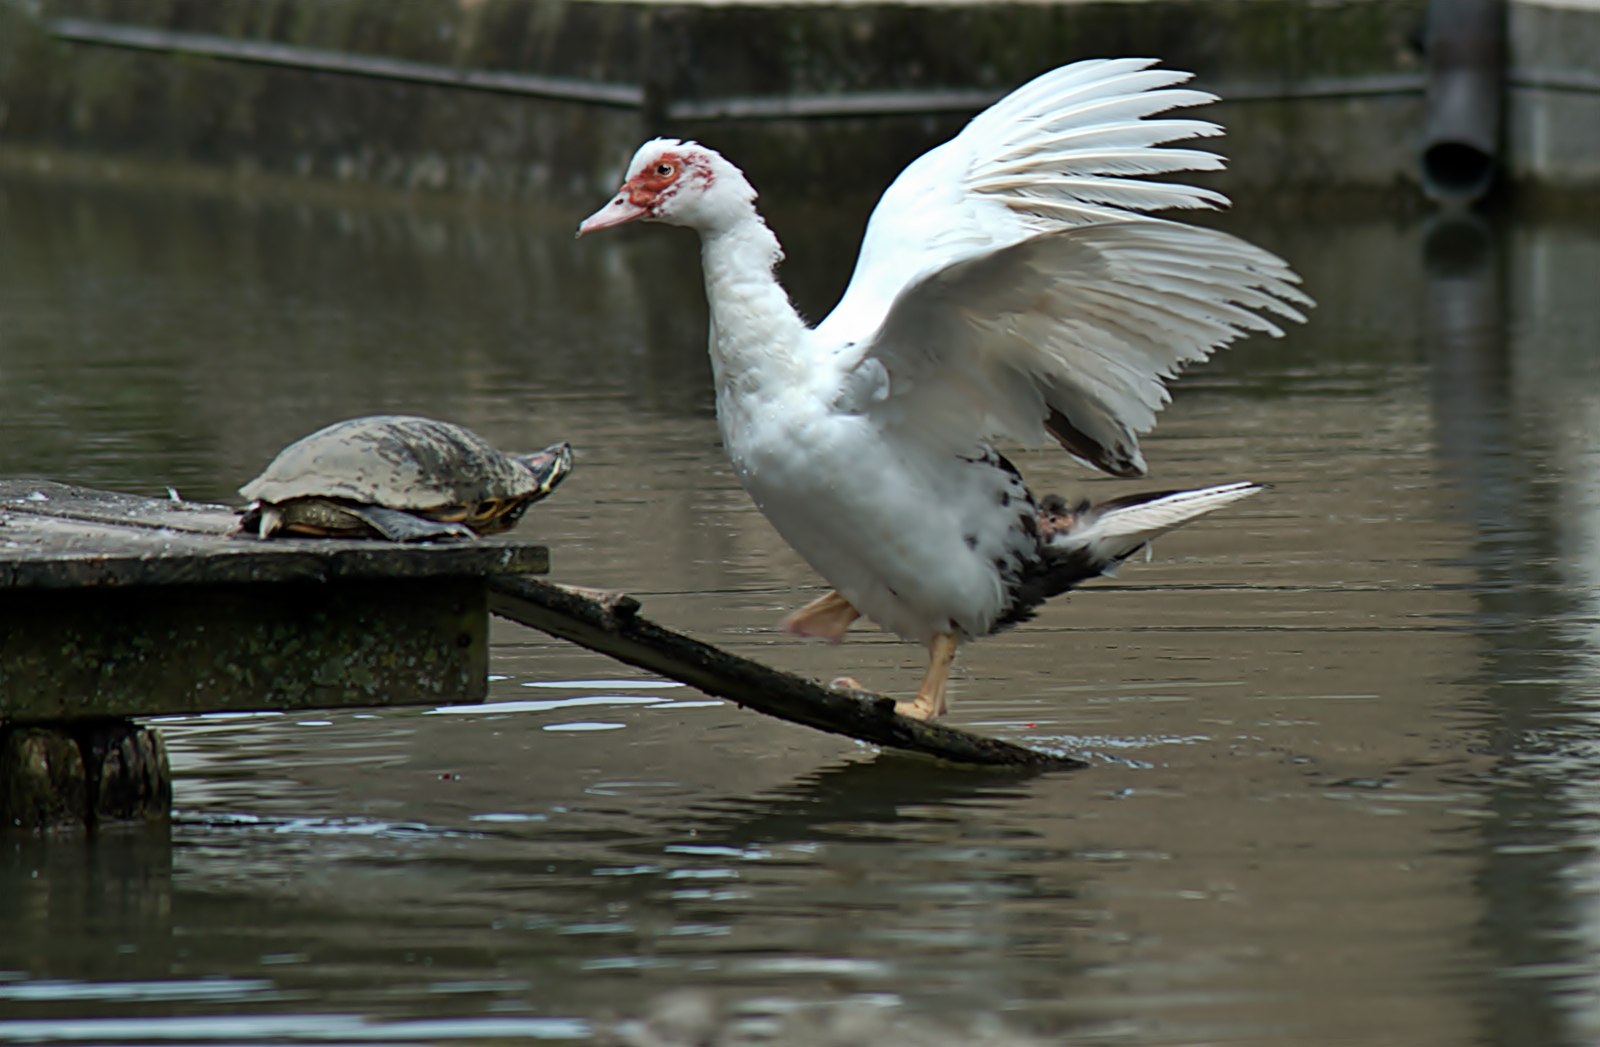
x,y
1063,149
1070,334
1009,284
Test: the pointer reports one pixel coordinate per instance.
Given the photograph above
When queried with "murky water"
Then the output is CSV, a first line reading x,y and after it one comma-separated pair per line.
x,y
1347,752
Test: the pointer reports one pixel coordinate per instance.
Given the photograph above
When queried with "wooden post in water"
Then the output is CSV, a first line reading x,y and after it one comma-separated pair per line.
x,y
105,771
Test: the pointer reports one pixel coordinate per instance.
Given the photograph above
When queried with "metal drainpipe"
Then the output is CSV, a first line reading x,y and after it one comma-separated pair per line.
x,y
1466,70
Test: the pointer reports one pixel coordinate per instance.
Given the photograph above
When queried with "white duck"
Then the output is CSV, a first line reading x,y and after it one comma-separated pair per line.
x,y
1007,286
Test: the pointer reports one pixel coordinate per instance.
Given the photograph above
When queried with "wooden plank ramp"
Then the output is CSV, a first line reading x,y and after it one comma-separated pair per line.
x,y
610,624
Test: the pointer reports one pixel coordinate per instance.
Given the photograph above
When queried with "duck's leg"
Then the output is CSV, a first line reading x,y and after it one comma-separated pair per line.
x,y
929,703
826,616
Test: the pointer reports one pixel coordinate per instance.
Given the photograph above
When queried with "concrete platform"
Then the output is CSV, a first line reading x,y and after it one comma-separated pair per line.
x,y
118,606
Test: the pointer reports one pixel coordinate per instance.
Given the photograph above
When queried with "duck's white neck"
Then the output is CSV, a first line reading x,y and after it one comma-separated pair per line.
x,y
755,331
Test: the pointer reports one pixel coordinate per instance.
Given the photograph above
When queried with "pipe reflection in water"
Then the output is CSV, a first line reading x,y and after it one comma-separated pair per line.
x,y
1465,333
1517,416
1558,400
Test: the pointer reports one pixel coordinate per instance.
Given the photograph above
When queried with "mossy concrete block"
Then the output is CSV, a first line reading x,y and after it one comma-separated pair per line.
x,y
89,654
43,784
118,606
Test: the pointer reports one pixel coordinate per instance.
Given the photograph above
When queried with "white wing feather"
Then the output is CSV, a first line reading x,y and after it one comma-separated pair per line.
x,y
1115,531
1010,285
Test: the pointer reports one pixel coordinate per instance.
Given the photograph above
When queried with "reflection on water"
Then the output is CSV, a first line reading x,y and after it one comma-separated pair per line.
x,y
1347,760
1537,495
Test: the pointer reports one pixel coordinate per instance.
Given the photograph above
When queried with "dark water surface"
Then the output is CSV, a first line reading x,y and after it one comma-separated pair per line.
x,y
1346,735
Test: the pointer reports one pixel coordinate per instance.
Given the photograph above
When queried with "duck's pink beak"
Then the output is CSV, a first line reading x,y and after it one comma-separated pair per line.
x,y
619,211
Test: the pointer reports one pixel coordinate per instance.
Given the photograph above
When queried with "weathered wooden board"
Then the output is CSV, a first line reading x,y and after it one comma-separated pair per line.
x,y
609,623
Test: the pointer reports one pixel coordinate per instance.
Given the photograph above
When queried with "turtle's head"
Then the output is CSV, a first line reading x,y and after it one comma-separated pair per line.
x,y
679,183
549,467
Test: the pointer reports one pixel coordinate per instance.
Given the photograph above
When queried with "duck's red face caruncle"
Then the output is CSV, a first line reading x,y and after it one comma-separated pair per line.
x,y
648,194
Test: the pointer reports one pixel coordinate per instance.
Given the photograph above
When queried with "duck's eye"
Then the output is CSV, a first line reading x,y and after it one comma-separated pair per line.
x,y
664,170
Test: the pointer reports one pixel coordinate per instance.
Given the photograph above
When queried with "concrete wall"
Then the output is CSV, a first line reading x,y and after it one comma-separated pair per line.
x,y
1359,57
1553,129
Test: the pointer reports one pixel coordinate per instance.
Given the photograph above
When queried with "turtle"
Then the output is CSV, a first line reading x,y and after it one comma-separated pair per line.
x,y
398,477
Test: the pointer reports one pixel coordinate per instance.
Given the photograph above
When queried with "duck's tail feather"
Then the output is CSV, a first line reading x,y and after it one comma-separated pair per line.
x,y
1090,540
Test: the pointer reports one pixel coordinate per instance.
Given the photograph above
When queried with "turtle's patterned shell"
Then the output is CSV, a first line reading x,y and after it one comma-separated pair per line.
x,y
397,461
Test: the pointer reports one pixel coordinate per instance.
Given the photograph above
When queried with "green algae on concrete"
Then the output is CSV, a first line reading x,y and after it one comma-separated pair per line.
x,y
147,651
